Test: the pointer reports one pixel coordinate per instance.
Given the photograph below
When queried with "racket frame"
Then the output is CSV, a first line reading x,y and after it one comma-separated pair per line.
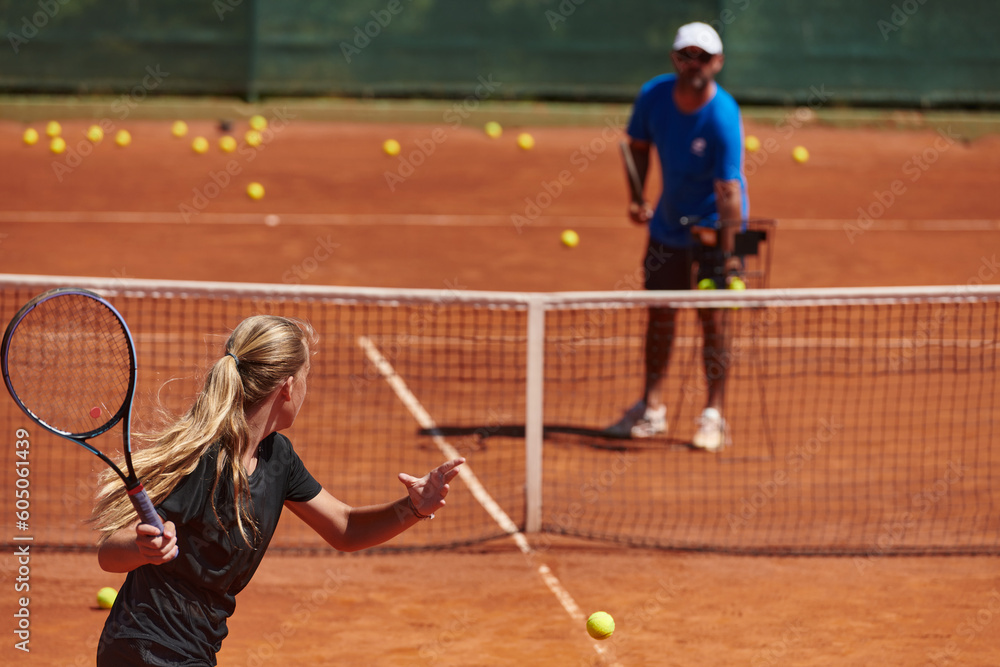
x,y
133,486
634,182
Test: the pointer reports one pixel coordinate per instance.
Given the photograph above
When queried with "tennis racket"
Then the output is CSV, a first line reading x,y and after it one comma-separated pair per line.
x,y
68,361
634,182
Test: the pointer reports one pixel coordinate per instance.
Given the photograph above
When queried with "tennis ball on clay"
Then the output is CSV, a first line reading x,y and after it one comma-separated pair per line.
x,y
53,129
600,625
570,238
254,138
737,283
30,136
391,147
123,138
255,190
258,122
57,145
95,134
525,141
227,144
493,129
800,154
706,283
179,128
106,597
752,143
199,145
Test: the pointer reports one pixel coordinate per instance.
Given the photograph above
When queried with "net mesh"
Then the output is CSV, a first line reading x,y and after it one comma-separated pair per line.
x,y
862,422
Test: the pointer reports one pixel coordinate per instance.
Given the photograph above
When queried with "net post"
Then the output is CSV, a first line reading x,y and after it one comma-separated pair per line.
x,y
533,415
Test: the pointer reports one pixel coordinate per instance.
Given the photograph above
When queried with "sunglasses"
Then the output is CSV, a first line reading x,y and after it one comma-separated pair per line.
x,y
689,56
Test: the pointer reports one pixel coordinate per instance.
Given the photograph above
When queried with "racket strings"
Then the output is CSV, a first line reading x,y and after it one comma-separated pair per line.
x,y
70,364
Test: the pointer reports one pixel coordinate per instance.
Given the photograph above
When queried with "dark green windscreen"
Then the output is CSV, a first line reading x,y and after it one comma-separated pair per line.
x,y
908,52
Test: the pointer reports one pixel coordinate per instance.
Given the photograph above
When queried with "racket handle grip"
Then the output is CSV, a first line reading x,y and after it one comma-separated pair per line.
x,y
144,506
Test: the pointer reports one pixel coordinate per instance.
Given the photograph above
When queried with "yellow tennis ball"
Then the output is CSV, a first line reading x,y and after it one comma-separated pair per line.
x,y
737,283
179,128
391,147
493,129
31,136
600,625
800,154
752,143
255,190
57,145
254,138
95,133
53,129
706,283
106,597
258,122
199,145
123,138
570,238
525,141
227,144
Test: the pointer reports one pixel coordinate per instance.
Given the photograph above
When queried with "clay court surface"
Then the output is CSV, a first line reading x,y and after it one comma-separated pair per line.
x,y
120,212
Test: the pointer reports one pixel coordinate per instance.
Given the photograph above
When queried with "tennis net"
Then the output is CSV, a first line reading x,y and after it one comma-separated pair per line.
x,y
862,420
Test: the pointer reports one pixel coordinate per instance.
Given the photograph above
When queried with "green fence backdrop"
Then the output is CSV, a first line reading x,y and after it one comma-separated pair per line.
x,y
889,52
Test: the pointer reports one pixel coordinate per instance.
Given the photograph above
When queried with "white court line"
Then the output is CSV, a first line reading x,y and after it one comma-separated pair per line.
x,y
466,474
454,220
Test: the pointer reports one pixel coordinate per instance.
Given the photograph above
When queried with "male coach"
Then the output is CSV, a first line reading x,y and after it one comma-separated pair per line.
x,y
697,130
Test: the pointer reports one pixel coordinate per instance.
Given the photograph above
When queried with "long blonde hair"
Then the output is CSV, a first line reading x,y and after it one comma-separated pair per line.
x,y
260,354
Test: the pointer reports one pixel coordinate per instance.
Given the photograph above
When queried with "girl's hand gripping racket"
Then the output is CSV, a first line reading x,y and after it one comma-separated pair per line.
x,y
68,361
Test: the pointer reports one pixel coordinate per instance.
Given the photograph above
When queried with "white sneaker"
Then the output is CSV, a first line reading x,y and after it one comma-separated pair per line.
x,y
712,434
640,421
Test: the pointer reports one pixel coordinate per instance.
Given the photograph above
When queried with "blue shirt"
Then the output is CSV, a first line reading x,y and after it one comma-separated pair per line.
x,y
695,149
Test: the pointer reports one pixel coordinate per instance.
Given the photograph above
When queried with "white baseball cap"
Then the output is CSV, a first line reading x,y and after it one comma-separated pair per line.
x,y
701,35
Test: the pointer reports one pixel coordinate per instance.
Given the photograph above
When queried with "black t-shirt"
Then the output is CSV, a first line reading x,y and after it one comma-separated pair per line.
x,y
183,605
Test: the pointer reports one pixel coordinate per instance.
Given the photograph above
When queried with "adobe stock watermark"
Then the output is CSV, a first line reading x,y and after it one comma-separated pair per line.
x,y
579,160
796,460
218,181
900,14
742,343
475,441
122,107
363,35
275,636
393,346
630,622
593,489
590,493
776,653
970,629
458,627
786,127
321,252
913,169
910,346
223,7
892,532
922,338
31,26
424,147
563,11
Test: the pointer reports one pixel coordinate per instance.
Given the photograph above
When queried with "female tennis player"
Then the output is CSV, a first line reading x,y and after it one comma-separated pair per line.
x,y
219,477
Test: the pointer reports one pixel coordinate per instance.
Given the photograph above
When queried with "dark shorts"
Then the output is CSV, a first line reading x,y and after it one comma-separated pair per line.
x,y
669,268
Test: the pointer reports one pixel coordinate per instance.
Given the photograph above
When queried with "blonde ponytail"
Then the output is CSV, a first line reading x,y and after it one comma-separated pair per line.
x,y
262,351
